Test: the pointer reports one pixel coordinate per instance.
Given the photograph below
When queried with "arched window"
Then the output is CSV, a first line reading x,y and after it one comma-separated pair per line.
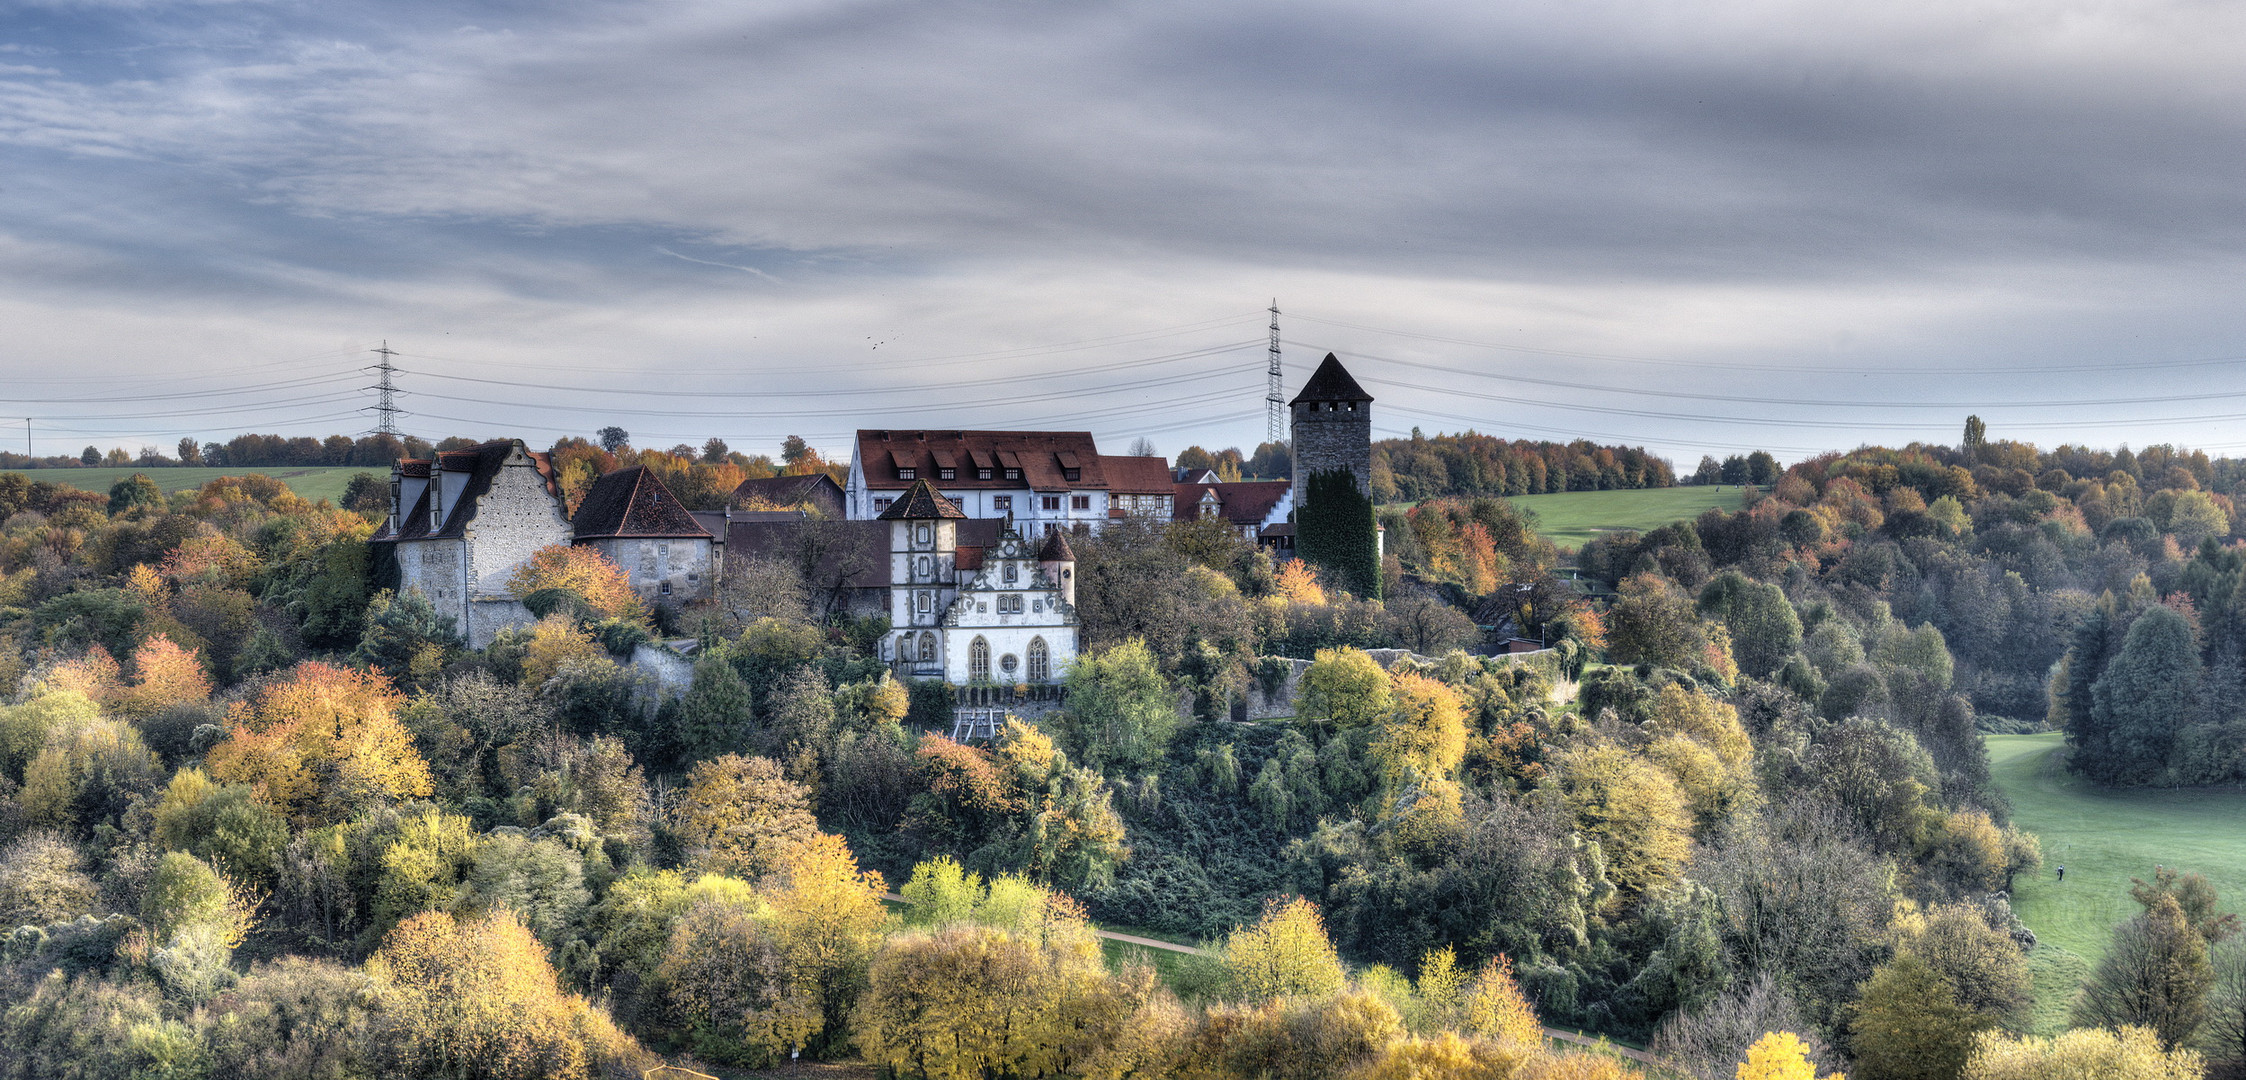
x,y
1010,573
924,566
978,661
1040,661
927,647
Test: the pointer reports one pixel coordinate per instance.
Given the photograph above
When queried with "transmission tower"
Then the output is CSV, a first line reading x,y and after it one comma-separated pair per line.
x,y
1275,405
385,407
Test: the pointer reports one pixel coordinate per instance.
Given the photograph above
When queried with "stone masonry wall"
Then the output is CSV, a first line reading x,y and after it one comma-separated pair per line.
x,y
515,518
1325,441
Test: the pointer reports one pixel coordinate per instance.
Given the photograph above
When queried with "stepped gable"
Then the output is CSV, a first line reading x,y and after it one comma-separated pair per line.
x,y
921,502
1056,548
482,463
1331,382
634,502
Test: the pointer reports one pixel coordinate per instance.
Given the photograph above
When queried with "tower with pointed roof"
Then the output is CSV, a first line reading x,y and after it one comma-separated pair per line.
x,y
1333,428
1333,483
923,575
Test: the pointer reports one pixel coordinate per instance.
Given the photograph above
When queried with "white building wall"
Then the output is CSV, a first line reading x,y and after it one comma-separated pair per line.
x,y
513,519
983,610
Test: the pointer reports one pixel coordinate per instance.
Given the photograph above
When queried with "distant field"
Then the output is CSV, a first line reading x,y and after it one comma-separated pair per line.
x,y
1570,518
2104,838
320,482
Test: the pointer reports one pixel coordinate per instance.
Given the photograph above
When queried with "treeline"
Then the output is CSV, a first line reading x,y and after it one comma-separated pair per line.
x,y
1423,467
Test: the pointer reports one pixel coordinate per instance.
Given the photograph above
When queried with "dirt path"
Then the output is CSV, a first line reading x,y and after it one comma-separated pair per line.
x,y
1639,1056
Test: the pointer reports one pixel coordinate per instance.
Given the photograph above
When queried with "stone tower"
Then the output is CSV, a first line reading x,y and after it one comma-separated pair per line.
x,y
1333,429
923,549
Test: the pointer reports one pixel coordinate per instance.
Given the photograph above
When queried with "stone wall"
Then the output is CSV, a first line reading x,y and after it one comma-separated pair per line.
x,y
513,519
1280,701
649,562
488,615
1324,441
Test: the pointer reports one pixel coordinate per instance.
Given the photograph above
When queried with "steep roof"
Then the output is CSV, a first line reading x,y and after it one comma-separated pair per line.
x,y
1136,475
1331,382
1042,457
921,502
1056,548
633,502
1247,502
818,489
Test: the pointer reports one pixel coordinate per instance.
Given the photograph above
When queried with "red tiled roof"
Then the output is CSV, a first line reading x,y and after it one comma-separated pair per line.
x,y
1038,454
922,502
1137,475
1243,503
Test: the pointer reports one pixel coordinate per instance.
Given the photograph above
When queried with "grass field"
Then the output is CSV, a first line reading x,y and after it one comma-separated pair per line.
x,y
1570,518
315,483
2104,838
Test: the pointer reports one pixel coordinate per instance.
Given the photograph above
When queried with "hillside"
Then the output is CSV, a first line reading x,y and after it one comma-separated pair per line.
x,y
1570,518
315,482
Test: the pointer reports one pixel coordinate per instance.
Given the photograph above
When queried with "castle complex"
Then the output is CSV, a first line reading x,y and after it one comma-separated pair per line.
x,y
959,537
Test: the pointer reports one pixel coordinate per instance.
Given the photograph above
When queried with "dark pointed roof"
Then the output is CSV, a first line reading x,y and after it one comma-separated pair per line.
x,y
633,502
1056,549
1331,382
920,502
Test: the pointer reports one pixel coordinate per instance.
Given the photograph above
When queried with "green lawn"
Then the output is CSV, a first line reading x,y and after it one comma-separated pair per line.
x,y
315,483
1570,518
2104,838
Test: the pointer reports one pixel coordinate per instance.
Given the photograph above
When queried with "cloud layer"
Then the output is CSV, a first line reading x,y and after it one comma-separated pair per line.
x,y
1789,204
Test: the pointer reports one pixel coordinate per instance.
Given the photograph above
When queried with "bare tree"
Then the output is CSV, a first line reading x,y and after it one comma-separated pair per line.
x,y
761,586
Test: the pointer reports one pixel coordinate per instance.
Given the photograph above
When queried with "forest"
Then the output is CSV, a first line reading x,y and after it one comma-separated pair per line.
x,y
258,818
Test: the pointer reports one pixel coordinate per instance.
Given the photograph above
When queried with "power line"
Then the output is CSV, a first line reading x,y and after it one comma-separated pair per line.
x,y
1275,410
385,407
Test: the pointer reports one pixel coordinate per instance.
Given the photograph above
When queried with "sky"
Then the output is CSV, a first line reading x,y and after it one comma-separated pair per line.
x,y
1696,228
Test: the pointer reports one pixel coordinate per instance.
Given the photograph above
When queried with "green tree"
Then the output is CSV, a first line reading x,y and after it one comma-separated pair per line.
x,y
2147,692
1121,712
405,637
1653,622
133,493
1764,629
716,714
1909,1026
2155,974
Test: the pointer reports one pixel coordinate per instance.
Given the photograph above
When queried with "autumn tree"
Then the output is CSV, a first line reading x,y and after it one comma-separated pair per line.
x,y
1780,1055
1909,1026
1634,809
1286,953
585,572
321,744
164,675
2154,975
477,999
739,815
2131,1053
1653,622
1344,687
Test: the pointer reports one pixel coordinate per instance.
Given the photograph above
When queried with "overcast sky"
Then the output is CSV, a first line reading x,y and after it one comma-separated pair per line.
x,y
1693,227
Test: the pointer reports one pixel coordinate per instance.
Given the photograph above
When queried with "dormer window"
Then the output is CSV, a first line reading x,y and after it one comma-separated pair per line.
x,y
904,473
1072,475
947,474
982,474
1013,474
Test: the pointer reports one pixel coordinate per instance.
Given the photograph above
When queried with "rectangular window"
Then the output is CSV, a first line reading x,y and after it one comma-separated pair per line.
x,y
662,549
1013,474
1002,502
882,504
982,474
665,589
1072,475
906,474
946,474
1052,502
1081,502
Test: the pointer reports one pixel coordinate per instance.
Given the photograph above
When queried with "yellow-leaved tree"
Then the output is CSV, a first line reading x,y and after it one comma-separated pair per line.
x,y
1779,1055
164,675
1346,687
827,919
2129,1053
1496,1009
740,815
1285,954
477,999
583,571
321,744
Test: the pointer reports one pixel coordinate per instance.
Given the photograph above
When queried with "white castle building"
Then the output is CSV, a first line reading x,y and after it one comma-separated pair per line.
x,y
1000,615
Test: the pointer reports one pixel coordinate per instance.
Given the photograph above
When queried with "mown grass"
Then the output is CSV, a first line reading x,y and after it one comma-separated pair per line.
x,y
314,482
2103,837
1570,518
